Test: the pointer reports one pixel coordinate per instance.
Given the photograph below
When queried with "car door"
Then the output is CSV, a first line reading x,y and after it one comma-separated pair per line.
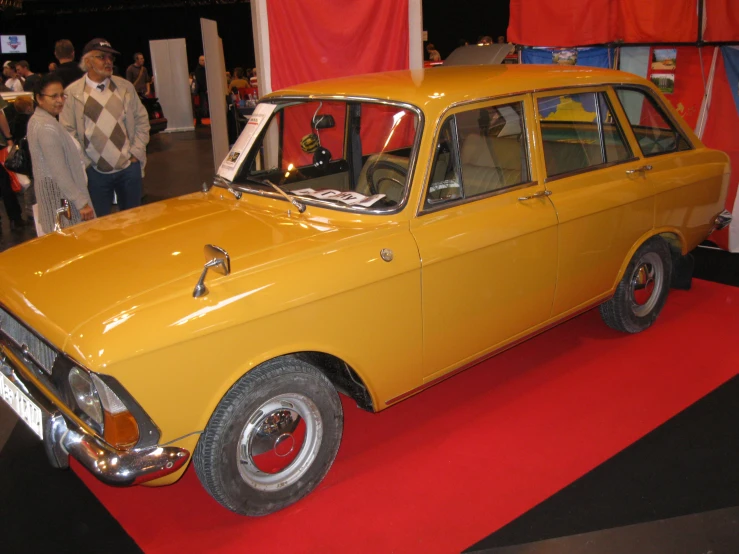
x,y
603,203
687,179
487,236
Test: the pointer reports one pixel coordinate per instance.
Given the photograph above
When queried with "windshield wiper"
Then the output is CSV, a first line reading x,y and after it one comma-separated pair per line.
x,y
218,180
294,201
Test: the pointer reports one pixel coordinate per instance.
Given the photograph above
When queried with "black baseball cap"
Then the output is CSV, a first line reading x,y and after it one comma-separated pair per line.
x,y
101,45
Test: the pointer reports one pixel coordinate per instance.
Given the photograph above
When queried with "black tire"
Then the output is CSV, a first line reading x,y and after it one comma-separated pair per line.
x,y
254,431
643,289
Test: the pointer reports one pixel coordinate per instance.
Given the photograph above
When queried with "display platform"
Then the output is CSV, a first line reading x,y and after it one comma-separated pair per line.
x,y
446,468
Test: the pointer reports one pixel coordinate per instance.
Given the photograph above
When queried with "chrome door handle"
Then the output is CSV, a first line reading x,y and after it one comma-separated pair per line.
x,y
540,194
641,169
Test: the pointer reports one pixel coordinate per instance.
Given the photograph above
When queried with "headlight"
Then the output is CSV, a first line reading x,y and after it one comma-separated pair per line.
x,y
86,395
109,415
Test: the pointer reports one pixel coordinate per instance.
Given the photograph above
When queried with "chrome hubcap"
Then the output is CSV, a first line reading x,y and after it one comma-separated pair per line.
x,y
646,283
279,442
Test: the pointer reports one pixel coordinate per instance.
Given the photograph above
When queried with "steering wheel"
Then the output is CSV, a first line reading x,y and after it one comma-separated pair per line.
x,y
385,164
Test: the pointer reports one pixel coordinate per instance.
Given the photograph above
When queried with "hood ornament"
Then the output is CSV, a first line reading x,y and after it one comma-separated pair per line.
x,y
218,260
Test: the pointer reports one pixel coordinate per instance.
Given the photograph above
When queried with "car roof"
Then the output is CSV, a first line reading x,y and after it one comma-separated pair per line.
x,y
432,89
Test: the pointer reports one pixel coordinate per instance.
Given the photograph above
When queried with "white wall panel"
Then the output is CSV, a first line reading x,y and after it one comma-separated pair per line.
x,y
171,81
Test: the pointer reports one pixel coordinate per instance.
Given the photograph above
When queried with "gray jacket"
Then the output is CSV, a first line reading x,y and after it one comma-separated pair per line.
x,y
55,157
134,115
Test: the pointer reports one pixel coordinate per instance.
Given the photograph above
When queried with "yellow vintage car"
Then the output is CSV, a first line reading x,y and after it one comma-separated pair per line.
x,y
368,236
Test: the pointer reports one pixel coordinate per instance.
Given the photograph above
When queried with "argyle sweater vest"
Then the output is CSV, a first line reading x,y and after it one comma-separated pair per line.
x,y
106,140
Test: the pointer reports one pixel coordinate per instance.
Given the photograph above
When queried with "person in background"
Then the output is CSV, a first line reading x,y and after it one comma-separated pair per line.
x,y
253,81
139,75
68,69
202,91
105,114
485,40
29,77
19,127
239,81
14,82
58,165
434,55
12,207
52,67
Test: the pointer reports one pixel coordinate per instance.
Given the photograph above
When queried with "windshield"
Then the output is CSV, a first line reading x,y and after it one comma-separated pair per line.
x,y
342,154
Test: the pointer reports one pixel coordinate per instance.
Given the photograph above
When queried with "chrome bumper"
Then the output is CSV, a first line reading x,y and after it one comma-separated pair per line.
x,y
64,438
722,220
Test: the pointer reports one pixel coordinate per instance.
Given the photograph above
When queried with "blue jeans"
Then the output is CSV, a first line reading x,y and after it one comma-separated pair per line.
x,y
127,185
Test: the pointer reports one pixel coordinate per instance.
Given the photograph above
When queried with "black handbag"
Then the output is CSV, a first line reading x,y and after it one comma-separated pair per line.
x,y
19,158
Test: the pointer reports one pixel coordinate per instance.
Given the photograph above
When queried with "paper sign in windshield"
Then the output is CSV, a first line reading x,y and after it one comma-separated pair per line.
x,y
246,139
347,197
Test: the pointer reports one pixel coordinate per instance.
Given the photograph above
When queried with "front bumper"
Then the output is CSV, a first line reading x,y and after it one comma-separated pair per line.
x,y
63,437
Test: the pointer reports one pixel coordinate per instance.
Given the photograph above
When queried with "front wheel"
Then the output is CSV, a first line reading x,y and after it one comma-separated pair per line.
x,y
272,438
643,289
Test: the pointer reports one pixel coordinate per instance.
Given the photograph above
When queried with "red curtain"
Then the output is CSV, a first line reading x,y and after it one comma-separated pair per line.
x,y
562,23
658,20
582,22
720,133
722,20
311,40
386,128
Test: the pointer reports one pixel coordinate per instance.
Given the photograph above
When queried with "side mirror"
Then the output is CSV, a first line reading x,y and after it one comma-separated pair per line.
x,y
66,211
216,259
324,121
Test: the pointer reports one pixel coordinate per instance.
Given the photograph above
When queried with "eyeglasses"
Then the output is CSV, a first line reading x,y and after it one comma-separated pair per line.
x,y
104,57
57,96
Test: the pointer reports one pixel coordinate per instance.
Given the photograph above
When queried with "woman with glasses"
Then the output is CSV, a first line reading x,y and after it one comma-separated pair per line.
x,y
58,166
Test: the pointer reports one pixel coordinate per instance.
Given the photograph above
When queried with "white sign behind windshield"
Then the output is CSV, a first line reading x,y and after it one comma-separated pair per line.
x,y
246,139
349,198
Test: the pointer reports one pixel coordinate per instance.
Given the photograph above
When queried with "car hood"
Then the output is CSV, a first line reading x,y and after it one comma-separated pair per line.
x,y
141,257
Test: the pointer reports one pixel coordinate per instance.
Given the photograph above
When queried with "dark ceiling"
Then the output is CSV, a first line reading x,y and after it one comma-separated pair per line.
x,y
46,7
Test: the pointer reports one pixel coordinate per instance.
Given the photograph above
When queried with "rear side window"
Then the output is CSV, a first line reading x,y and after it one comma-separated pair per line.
x,y
580,132
654,131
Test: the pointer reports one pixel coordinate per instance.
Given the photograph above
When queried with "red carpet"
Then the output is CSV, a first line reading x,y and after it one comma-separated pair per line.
x,y
443,469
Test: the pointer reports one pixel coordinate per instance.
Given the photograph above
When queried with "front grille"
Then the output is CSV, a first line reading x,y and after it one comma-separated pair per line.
x,y
42,353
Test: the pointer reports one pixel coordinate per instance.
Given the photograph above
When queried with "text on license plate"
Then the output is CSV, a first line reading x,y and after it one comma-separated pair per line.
x,y
22,405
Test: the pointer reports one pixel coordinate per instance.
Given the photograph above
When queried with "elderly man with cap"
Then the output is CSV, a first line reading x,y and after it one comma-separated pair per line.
x,y
104,113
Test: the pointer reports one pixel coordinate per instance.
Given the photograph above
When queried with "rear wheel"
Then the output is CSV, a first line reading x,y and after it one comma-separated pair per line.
x,y
272,438
643,289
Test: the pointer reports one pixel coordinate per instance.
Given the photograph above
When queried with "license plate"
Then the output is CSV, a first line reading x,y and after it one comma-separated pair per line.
x,y
22,405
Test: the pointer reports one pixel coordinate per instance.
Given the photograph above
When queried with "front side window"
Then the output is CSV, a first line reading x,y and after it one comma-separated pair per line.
x,y
479,152
351,155
654,131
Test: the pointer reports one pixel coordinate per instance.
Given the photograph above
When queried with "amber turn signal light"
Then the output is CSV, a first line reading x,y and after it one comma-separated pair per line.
x,y
121,430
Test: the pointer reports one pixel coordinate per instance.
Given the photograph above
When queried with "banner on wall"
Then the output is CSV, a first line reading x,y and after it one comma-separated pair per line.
x,y
681,74
731,63
591,57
